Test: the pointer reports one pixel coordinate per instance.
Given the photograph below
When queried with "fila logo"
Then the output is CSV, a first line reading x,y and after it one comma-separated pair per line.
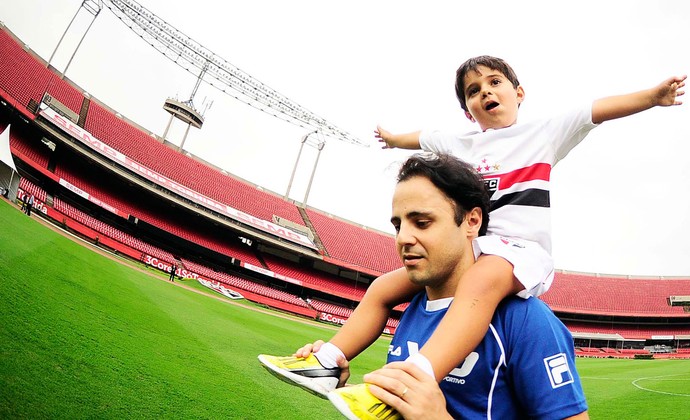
x,y
558,370
412,349
394,351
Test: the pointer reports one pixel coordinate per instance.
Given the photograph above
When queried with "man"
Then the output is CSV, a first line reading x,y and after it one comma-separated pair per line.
x,y
29,204
524,367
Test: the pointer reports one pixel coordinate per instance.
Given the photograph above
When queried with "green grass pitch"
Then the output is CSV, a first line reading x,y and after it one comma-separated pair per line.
x,y
84,336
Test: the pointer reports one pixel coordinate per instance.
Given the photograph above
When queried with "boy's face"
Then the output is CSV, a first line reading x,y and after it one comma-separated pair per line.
x,y
492,101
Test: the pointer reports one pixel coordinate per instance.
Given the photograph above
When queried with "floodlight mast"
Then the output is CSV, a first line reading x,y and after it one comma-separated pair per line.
x,y
93,7
219,73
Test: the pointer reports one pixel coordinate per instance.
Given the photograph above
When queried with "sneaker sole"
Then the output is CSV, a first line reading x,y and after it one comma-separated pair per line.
x,y
303,382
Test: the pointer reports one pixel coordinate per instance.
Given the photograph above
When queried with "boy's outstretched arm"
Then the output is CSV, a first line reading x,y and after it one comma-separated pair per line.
x,y
664,94
482,287
401,141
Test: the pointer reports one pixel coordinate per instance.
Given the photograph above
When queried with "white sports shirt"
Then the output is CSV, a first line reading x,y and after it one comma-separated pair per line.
x,y
516,164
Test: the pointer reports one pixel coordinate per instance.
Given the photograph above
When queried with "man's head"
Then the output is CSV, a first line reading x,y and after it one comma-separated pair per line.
x,y
440,205
489,92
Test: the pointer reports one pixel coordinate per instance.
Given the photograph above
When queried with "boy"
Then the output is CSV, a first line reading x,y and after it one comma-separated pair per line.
x,y
514,257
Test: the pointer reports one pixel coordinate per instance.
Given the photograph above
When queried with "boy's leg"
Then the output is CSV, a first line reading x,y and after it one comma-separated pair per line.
x,y
532,264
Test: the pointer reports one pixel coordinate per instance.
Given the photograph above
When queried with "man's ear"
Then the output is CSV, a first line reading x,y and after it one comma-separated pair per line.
x,y
469,116
474,221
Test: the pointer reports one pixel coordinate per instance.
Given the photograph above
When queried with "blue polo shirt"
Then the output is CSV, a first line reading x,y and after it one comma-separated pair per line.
x,y
523,368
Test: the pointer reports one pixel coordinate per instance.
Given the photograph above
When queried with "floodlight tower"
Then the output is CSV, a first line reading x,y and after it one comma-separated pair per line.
x,y
92,7
185,111
318,143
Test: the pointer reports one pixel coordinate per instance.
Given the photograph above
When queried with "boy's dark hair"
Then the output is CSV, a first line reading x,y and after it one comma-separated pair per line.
x,y
472,64
458,180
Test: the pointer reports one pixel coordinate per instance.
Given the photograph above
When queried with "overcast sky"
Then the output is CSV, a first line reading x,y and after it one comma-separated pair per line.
x,y
620,200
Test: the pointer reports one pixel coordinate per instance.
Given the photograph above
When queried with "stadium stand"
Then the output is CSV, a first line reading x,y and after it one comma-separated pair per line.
x,y
22,76
150,209
250,289
314,279
628,331
31,188
330,308
35,151
143,148
611,295
353,244
111,231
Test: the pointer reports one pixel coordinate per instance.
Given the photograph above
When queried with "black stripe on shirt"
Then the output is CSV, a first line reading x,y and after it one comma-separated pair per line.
x,y
531,197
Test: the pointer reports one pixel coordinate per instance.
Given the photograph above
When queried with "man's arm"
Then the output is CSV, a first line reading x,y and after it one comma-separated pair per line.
x,y
401,141
664,94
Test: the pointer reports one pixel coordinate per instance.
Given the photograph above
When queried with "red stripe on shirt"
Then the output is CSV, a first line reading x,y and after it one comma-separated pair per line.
x,y
538,171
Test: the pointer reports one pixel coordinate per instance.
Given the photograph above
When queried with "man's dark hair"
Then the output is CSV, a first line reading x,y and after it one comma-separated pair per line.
x,y
472,64
458,180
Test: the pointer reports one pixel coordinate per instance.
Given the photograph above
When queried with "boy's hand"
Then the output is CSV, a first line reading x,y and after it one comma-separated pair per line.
x,y
384,137
669,90
308,349
344,366
665,93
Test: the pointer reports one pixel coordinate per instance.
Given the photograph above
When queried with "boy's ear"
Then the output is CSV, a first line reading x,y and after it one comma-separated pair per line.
x,y
520,94
469,116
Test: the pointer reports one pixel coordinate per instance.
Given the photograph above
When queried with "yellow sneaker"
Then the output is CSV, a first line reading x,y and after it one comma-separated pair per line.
x,y
307,373
357,403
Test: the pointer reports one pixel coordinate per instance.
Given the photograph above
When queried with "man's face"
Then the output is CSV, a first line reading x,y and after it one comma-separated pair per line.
x,y
428,240
492,101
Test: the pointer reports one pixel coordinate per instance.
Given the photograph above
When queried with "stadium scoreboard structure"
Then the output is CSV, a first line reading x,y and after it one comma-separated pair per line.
x,y
683,301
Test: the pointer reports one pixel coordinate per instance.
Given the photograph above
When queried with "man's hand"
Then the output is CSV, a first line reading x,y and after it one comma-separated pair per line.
x,y
408,389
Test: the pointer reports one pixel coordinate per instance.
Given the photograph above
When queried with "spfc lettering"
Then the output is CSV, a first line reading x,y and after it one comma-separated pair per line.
x,y
491,185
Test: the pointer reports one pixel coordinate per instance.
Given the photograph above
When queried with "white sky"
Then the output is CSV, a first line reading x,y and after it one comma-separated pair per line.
x,y
620,200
